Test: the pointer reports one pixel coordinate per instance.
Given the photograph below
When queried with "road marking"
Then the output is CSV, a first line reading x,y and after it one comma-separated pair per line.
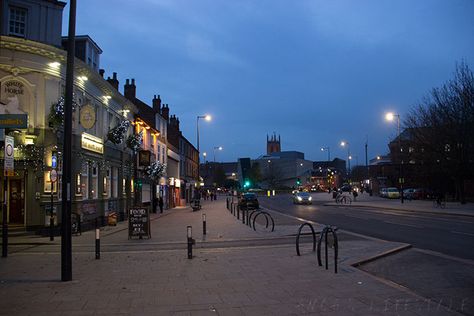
x,y
394,223
364,218
462,233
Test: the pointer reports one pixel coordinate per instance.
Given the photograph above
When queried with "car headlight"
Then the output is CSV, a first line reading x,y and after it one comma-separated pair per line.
x,y
310,198
299,198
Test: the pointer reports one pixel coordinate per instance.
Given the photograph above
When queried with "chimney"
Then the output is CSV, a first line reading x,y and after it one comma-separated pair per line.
x,y
129,90
102,72
156,103
114,82
165,112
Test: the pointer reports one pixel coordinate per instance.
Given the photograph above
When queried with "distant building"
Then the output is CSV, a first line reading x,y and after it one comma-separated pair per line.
x,y
88,51
273,144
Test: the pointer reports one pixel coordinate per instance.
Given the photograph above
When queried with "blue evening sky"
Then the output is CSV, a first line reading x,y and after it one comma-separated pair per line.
x,y
315,72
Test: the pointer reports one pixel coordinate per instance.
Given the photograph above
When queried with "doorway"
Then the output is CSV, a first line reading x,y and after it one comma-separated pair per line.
x,y
17,202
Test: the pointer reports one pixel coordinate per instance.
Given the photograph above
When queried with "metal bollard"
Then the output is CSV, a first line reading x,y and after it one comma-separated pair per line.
x,y
238,212
191,242
97,240
204,224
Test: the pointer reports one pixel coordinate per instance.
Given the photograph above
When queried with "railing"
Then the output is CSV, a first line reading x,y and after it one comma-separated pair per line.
x,y
324,234
299,234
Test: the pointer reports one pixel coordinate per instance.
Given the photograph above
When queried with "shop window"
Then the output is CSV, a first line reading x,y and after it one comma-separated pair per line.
x,y
106,184
84,189
95,182
114,182
132,186
124,187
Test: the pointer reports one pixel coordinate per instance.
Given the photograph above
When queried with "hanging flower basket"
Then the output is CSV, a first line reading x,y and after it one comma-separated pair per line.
x,y
156,170
117,134
134,142
56,113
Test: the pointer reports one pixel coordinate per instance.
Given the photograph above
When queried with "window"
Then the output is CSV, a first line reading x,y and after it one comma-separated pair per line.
x,y
17,22
114,182
124,187
106,180
85,181
95,182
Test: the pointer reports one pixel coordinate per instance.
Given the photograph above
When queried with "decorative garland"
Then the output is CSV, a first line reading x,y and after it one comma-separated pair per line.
x,y
117,134
56,113
134,141
32,155
156,170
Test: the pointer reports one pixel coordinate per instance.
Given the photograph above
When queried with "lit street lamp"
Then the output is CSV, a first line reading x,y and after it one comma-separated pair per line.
x,y
207,117
328,150
344,144
390,116
219,148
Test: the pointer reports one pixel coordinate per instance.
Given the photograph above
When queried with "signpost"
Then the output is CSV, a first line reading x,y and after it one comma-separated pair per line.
x,y
53,177
9,170
139,222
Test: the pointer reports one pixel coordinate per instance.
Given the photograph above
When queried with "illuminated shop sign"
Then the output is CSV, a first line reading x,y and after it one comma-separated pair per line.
x,y
92,143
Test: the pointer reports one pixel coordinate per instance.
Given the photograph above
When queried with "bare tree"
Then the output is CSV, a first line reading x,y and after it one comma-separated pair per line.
x,y
441,127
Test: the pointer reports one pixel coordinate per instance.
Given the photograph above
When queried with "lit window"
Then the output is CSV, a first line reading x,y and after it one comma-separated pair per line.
x,y
17,22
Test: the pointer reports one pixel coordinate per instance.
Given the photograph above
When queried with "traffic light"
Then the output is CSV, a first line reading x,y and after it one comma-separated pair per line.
x,y
246,184
298,181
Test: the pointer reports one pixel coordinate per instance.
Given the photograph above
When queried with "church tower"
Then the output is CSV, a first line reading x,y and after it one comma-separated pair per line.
x,y
273,145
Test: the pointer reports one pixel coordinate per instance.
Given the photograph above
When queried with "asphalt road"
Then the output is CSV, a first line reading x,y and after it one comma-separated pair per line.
x,y
448,234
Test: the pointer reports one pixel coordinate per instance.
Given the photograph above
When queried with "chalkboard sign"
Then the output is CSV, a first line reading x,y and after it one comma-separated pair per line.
x,y
139,222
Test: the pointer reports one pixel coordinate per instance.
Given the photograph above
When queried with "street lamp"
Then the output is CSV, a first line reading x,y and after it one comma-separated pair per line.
x,y
219,148
207,117
390,116
344,144
328,150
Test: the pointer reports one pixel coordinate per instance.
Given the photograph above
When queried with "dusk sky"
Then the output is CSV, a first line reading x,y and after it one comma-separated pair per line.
x,y
315,72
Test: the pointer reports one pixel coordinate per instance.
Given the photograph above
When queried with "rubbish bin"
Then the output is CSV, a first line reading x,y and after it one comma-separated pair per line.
x,y
112,219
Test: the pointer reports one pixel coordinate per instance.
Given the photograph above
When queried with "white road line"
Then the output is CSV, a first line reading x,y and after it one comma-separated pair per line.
x,y
462,233
358,217
394,223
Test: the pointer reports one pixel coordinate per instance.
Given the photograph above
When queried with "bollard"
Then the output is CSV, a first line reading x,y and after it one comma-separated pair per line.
x,y
204,224
97,240
243,216
190,242
238,212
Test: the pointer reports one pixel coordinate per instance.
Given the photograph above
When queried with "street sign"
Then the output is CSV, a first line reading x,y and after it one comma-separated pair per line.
x,y
54,161
53,175
8,161
14,121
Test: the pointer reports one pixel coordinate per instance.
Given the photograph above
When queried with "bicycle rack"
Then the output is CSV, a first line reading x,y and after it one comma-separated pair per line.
x,y
324,234
267,215
249,216
298,238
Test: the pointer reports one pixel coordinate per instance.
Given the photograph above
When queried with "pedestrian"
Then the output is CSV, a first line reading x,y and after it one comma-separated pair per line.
x,y
354,193
160,203
212,195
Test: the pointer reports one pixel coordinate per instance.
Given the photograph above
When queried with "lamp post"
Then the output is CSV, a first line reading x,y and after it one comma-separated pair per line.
x,y
328,150
207,117
390,116
219,148
344,144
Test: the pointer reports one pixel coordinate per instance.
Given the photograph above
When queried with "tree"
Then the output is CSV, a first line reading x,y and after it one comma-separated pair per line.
x,y
219,175
441,128
254,174
273,176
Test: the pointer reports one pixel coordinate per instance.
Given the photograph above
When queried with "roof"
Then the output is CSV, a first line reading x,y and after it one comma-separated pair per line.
x,y
84,38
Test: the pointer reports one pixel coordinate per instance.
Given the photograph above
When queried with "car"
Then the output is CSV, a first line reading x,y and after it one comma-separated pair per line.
x,y
345,188
302,198
393,193
383,192
248,201
423,193
409,194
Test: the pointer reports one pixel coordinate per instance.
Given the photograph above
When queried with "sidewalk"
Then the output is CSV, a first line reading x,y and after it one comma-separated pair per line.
x,y
229,274
364,200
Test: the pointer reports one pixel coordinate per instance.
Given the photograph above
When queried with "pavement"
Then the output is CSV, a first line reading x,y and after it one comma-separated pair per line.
x,y
235,270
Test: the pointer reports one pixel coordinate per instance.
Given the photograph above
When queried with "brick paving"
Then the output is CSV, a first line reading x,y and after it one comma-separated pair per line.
x,y
154,277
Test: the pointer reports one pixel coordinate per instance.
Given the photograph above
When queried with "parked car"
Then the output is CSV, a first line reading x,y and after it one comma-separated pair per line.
x,y
345,188
302,198
248,201
423,193
383,192
409,194
393,193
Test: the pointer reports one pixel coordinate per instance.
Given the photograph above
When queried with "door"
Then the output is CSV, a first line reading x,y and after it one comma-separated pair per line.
x,y
17,202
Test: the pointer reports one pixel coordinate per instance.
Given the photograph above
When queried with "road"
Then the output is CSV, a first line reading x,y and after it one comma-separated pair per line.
x,y
447,234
